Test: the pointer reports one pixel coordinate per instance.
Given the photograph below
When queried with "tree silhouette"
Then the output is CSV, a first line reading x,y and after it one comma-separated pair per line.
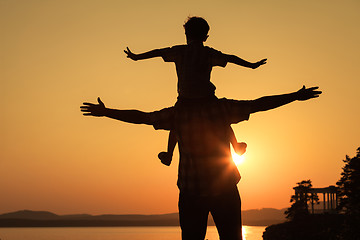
x,y
349,196
299,209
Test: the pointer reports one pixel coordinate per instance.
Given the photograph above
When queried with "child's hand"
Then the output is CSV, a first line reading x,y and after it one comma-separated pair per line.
x,y
165,158
240,148
130,54
259,63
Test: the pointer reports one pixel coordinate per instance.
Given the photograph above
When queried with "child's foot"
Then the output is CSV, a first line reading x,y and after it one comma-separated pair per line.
x,y
240,148
165,158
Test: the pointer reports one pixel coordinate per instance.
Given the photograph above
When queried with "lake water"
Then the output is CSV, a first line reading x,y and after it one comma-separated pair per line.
x,y
114,233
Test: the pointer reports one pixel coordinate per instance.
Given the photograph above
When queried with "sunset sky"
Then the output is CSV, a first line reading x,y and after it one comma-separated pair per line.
x,y
56,54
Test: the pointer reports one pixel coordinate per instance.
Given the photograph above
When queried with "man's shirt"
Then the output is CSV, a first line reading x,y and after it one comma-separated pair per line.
x,y
202,130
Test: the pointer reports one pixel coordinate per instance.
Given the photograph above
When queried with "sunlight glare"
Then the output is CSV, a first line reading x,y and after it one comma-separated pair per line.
x,y
243,229
238,159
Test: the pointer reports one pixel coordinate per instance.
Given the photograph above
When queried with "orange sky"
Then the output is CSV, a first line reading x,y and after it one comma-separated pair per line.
x,y
56,54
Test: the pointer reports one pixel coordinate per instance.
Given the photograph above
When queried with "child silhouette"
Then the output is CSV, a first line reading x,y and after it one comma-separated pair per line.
x,y
194,63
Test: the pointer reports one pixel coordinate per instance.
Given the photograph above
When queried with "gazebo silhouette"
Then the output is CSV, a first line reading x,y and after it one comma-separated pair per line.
x,y
330,198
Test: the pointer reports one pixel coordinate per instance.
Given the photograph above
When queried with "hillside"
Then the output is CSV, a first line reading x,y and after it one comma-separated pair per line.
x,y
28,218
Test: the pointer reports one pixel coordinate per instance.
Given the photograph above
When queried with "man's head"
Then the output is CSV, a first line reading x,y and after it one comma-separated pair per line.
x,y
196,28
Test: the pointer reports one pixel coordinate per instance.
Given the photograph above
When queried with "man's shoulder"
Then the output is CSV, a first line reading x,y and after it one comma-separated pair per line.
x,y
163,119
236,110
231,101
216,105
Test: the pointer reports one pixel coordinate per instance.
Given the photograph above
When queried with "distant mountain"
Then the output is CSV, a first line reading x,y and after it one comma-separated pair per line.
x,y
263,217
28,218
28,214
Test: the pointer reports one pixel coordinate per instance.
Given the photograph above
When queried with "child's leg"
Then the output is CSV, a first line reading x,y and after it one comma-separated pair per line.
x,y
166,157
171,142
239,148
233,139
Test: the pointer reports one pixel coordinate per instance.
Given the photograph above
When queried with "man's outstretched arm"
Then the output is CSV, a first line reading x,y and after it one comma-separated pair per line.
x,y
129,116
271,102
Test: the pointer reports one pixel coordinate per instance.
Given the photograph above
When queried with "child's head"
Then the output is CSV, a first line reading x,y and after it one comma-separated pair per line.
x,y
196,28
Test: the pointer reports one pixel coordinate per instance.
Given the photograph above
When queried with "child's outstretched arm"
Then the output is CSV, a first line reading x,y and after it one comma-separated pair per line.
x,y
239,61
145,55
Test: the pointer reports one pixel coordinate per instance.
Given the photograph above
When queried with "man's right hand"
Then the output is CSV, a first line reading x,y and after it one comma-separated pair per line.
x,y
91,109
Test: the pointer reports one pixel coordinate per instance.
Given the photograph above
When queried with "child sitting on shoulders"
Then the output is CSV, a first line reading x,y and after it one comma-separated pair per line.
x,y
194,63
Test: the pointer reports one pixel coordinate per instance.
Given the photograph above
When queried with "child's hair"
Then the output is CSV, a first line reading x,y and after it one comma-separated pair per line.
x,y
196,28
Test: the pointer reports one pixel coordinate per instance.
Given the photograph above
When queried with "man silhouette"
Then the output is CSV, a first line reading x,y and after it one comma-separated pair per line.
x,y
207,176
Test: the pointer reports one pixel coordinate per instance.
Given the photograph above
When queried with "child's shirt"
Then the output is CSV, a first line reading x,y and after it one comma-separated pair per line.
x,y
194,63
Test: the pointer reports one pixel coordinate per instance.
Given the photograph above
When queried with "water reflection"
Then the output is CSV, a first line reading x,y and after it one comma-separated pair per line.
x,y
114,233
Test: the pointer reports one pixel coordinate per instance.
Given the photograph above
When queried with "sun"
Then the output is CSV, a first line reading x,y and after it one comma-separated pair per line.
x,y
238,160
